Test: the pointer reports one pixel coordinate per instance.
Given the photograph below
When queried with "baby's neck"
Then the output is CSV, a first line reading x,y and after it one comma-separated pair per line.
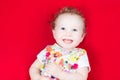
x,y
66,50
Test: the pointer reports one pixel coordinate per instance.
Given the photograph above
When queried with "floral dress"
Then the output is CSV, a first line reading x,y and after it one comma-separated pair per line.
x,y
69,60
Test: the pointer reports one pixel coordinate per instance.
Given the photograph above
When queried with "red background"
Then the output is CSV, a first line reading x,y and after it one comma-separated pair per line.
x,y
25,30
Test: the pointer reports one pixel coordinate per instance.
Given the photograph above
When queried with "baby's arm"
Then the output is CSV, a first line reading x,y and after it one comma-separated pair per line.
x,y
81,74
34,71
56,71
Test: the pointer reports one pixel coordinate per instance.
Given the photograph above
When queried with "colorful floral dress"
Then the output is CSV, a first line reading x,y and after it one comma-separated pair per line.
x,y
70,61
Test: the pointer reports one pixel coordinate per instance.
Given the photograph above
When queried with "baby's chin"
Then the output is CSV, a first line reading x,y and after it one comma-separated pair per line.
x,y
68,46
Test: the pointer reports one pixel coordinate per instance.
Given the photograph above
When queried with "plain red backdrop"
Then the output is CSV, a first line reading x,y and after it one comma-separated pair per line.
x,y
25,30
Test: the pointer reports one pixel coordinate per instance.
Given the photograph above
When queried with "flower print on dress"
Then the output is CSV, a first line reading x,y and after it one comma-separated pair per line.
x,y
74,66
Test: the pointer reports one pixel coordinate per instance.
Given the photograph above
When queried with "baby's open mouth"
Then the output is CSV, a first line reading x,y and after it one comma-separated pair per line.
x,y
68,41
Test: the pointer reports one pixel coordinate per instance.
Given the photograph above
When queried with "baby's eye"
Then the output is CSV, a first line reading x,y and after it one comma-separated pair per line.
x,y
62,28
74,29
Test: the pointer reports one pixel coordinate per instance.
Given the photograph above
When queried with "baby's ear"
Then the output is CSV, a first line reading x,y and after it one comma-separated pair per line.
x,y
83,36
53,32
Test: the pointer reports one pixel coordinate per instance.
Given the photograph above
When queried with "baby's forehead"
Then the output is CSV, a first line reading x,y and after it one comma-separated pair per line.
x,y
69,18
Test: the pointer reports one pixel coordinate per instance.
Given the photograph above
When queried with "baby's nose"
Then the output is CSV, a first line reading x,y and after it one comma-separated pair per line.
x,y
68,33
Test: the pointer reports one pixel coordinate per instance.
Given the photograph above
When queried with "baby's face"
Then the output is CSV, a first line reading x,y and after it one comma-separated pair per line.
x,y
68,31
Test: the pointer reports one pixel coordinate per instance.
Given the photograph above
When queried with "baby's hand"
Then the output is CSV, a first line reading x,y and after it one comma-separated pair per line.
x,y
53,69
45,78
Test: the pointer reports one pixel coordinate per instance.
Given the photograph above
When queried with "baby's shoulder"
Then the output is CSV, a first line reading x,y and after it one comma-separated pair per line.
x,y
80,51
50,48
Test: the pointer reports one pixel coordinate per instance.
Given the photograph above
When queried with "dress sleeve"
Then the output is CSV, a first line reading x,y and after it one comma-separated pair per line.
x,y
84,62
41,56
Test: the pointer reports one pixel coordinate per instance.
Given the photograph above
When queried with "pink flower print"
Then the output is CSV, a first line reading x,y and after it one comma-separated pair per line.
x,y
74,66
47,54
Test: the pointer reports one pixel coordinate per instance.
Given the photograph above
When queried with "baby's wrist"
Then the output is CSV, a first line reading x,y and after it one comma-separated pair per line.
x,y
58,75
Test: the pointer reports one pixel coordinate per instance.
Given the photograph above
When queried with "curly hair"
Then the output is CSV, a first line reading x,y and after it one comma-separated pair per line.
x,y
70,10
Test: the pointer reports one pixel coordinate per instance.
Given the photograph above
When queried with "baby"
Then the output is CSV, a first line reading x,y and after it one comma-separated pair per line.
x,y
63,60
